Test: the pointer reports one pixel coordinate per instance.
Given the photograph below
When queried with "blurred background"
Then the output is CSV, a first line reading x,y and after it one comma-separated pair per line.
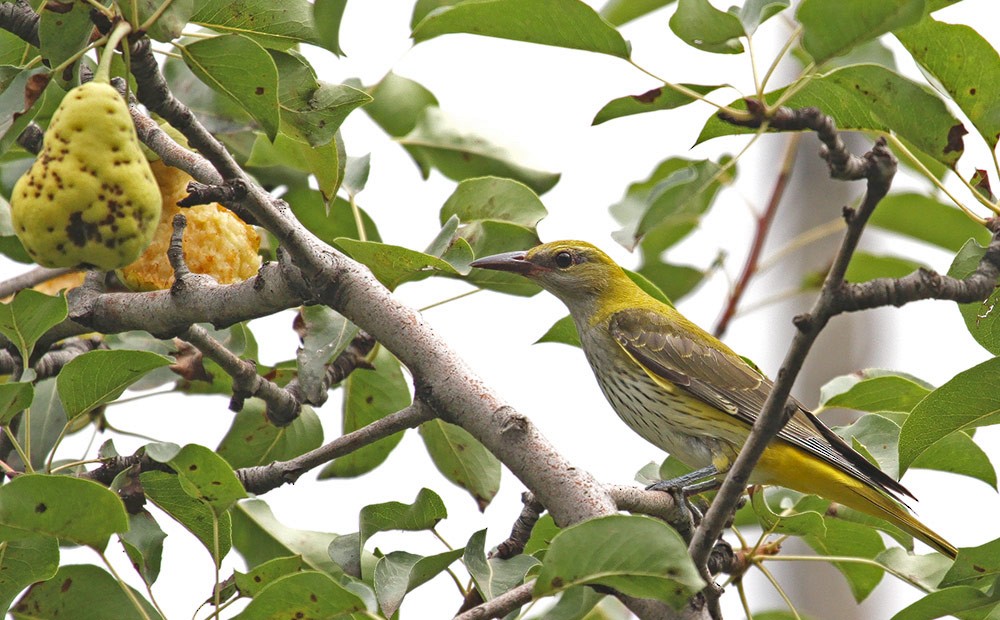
x,y
539,103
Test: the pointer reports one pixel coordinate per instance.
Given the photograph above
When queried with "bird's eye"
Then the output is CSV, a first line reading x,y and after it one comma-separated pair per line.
x,y
563,260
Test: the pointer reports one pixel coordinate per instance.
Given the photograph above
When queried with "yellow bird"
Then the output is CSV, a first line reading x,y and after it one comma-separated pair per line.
x,y
686,392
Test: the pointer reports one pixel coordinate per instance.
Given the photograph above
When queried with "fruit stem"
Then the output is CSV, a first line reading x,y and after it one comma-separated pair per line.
x,y
103,73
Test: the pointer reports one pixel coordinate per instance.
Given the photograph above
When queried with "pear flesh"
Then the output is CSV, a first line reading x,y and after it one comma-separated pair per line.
x,y
90,199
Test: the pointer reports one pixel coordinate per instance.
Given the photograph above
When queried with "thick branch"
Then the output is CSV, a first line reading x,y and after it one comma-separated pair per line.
x,y
18,18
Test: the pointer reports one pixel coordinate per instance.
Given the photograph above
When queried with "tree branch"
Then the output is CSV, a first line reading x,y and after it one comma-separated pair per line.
x,y
764,221
29,279
18,18
878,167
502,605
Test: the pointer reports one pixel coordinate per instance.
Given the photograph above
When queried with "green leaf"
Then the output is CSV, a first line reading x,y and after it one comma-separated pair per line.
x,y
25,561
98,377
578,603
800,522
435,142
62,34
961,601
705,27
965,64
392,264
278,25
214,532
251,583
925,570
618,12
48,419
753,13
975,566
143,542
252,440
369,395
865,266
494,576
398,103
871,98
169,24
399,572
981,318
328,221
563,331
240,69
636,555
874,390
307,594
207,477
669,204
921,217
563,23
462,460
834,28
958,454
962,403
327,15
661,98
311,111
82,592
494,198
326,163
28,316
423,514
672,281
259,537
15,397
324,334
356,173
73,509
847,539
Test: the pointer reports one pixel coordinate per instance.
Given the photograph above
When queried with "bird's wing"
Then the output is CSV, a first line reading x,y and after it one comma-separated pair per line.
x,y
724,380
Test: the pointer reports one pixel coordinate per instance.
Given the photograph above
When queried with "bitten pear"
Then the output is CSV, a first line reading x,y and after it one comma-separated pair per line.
x,y
89,199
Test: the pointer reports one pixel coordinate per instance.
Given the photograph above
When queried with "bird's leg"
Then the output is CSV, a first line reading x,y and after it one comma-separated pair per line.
x,y
688,485
692,483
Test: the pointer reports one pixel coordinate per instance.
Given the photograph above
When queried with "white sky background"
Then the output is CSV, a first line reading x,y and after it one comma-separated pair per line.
x,y
539,102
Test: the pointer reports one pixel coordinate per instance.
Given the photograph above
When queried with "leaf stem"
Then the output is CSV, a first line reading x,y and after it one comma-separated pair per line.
x,y
124,586
160,10
899,146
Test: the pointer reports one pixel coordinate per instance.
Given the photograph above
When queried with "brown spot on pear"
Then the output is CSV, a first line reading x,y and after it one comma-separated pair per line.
x,y
89,199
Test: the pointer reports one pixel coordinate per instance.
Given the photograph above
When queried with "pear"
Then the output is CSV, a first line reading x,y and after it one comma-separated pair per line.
x,y
90,198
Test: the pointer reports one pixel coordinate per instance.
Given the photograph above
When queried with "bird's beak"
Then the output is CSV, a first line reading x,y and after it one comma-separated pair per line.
x,y
514,262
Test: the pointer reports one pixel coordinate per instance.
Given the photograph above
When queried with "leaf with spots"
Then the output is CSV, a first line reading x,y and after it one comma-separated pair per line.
x,y
72,509
82,592
369,395
240,69
253,581
462,459
303,595
143,542
634,554
25,561
165,490
869,97
206,476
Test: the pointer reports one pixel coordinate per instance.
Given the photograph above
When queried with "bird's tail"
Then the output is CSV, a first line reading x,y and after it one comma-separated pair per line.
x,y
788,466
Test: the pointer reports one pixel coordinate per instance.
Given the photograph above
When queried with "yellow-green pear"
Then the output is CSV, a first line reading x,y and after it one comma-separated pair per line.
x,y
90,198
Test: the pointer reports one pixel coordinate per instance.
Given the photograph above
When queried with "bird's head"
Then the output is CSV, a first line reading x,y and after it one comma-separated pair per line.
x,y
576,272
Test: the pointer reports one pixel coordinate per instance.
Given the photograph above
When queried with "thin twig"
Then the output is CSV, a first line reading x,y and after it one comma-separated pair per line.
x,y
764,221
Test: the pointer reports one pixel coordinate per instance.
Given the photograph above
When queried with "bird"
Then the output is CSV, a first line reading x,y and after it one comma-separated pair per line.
x,y
687,393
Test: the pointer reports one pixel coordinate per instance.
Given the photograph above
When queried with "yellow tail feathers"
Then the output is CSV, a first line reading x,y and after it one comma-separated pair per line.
x,y
785,465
